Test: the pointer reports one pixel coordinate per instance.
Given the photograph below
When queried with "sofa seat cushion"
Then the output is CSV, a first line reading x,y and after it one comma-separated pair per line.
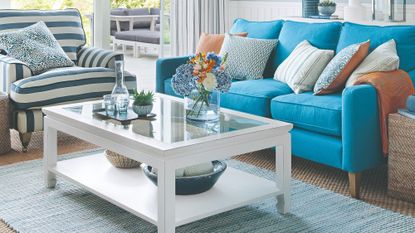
x,y
315,113
254,96
141,35
71,84
404,37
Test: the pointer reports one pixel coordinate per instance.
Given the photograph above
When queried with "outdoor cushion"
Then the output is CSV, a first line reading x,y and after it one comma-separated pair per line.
x,y
65,25
140,23
404,37
254,96
141,35
315,113
155,11
257,29
124,26
65,85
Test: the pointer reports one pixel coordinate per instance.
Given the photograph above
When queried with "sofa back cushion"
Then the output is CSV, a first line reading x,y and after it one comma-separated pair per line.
x,y
321,35
404,37
65,25
257,29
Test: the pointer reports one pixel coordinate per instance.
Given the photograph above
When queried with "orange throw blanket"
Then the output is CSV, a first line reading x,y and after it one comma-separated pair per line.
x,y
393,89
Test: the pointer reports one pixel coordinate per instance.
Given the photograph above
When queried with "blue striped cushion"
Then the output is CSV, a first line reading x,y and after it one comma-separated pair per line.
x,y
66,26
96,57
65,85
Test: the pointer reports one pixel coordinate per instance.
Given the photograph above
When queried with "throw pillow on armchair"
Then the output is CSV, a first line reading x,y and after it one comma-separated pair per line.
x,y
36,46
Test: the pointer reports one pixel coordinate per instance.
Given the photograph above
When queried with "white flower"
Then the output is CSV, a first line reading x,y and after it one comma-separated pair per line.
x,y
210,82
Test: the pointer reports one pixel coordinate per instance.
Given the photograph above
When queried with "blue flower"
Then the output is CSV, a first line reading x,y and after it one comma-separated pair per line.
x,y
216,58
223,79
183,82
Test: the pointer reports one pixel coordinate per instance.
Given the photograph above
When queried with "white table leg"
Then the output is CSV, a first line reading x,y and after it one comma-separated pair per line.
x,y
166,221
283,165
50,153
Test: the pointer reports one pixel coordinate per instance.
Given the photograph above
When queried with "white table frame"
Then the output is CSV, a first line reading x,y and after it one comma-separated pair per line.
x,y
169,157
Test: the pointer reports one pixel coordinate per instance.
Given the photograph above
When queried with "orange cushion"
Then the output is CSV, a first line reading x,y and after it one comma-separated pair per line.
x,y
213,42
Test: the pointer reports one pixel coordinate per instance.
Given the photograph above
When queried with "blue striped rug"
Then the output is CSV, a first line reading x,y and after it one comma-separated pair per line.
x,y
27,206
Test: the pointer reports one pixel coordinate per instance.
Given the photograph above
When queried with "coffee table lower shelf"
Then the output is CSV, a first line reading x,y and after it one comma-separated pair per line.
x,y
132,191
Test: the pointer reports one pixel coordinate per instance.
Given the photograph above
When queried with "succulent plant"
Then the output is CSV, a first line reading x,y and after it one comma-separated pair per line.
x,y
143,98
327,3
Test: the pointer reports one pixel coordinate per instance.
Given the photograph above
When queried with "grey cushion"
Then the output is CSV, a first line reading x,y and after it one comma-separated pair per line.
x,y
155,11
140,11
36,46
123,25
143,35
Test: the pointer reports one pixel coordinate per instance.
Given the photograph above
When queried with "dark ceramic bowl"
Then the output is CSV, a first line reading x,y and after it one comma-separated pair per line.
x,y
188,185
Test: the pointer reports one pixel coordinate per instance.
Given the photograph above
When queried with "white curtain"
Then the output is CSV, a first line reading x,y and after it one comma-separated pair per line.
x,y
189,18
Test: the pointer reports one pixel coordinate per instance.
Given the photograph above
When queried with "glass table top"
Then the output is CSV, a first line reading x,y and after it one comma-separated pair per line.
x,y
170,124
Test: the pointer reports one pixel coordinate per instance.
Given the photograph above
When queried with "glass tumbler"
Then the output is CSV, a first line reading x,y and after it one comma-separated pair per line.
x,y
110,104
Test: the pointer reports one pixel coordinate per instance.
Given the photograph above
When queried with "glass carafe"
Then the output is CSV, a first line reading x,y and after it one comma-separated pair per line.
x,y
120,91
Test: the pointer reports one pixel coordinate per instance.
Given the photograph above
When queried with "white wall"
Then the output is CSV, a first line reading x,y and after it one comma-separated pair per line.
x,y
5,4
269,10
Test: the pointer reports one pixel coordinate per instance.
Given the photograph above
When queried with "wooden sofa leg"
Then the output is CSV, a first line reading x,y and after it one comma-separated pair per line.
x,y
25,140
354,184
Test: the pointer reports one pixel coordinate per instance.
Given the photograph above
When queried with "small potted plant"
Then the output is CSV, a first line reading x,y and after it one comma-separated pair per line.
x,y
143,102
326,8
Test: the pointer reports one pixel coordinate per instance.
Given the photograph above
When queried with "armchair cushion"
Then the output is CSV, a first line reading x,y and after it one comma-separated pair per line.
x,y
65,85
65,25
95,57
36,46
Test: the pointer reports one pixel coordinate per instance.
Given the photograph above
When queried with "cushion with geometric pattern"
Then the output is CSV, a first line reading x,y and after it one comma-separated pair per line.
x,y
247,57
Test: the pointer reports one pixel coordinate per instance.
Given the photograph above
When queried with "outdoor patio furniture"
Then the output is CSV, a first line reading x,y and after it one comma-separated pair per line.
x,y
139,39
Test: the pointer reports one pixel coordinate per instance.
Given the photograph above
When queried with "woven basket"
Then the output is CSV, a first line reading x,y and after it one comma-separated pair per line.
x,y
120,161
401,161
5,145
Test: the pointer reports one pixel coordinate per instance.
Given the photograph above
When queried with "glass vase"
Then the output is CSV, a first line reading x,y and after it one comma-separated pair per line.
x,y
120,91
202,106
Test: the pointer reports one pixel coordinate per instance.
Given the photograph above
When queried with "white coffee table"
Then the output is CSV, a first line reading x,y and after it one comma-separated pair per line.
x,y
168,143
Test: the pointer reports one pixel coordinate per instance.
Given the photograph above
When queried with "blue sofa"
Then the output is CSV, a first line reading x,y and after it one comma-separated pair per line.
x,y
340,130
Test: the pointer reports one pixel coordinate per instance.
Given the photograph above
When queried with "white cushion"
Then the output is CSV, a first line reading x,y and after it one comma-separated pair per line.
x,y
383,58
303,67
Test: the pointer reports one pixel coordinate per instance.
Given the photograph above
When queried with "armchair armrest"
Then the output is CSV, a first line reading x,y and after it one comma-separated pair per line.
x,y
166,68
362,145
96,57
12,70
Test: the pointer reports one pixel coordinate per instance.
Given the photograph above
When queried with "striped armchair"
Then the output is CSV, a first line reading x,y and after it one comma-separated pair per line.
x,y
91,78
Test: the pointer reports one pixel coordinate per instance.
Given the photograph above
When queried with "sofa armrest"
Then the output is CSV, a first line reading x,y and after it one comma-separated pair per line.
x,y
12,70
362,146
166,68
96,57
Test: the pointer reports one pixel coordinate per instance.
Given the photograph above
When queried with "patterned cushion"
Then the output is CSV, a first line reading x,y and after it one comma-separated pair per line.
x,y
339,69
247,57
383,58
35,46
303,67
65,25
64,85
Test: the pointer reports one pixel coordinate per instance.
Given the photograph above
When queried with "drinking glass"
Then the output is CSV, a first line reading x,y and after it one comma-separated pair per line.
x,y
122,104
110,103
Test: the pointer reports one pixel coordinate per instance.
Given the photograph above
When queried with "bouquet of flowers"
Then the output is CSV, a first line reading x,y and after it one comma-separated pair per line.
x,y
204,73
